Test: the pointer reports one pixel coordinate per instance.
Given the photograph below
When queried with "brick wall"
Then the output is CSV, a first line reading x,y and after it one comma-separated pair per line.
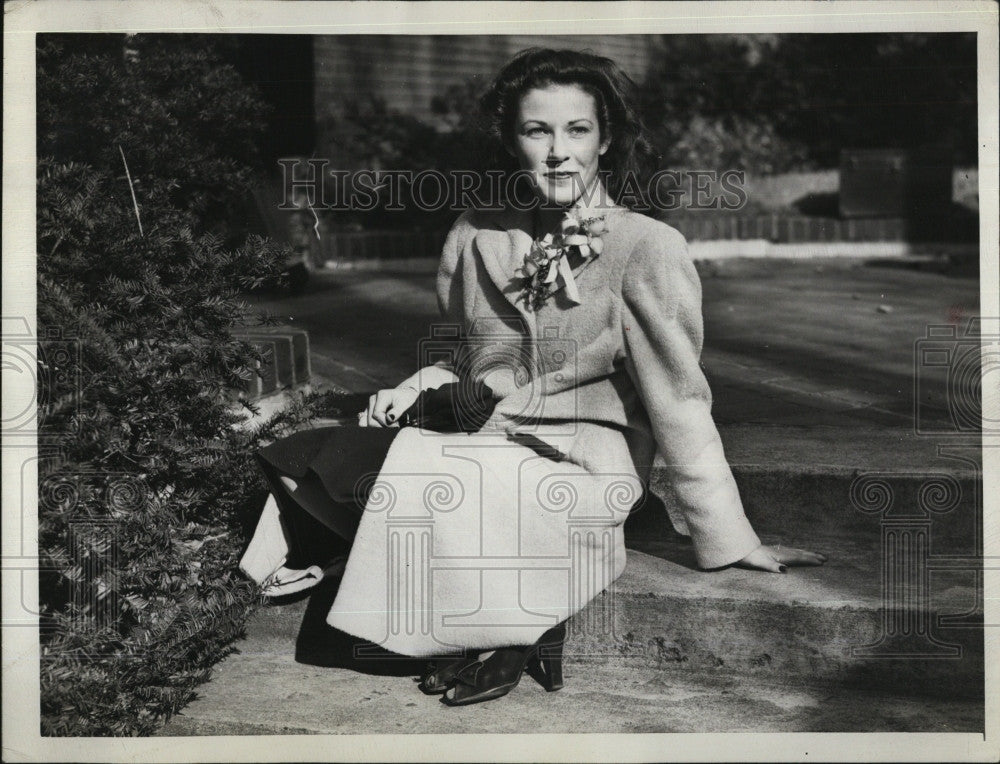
x,y
778,229
408,70
286,366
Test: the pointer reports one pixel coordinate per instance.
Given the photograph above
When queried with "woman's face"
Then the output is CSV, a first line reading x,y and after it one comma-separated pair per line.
x,y
557,137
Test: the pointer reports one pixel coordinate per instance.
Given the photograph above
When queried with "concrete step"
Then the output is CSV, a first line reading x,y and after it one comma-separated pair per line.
x,y
830,626
900,519
839,482
822,627
667,649
899,602
848,477
849,483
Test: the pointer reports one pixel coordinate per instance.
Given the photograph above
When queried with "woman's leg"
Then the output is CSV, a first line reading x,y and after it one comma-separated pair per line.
x,y
318,528
340,517
315,477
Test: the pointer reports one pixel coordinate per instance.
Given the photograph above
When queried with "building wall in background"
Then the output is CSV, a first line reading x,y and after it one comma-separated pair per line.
x,y
407,71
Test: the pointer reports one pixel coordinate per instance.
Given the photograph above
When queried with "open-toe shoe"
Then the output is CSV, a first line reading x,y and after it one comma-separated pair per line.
x,y
441,674
501,672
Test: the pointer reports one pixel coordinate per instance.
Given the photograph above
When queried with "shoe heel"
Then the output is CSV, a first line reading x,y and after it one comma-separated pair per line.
x,y
549,656
552,671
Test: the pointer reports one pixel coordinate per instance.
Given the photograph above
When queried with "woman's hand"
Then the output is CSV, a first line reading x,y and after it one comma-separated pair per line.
x,y
387,406
777,558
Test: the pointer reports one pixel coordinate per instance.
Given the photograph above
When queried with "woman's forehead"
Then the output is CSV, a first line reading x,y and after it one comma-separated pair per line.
x,y
566,102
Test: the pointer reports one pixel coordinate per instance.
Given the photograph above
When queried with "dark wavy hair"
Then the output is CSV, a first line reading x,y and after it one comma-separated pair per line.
x,y
614,92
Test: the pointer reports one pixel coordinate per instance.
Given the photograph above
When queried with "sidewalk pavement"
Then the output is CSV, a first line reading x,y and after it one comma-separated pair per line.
x,y
811,363
261,690
813,373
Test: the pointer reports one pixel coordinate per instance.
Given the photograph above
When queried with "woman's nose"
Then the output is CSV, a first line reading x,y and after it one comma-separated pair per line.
x,y
557,152
554,159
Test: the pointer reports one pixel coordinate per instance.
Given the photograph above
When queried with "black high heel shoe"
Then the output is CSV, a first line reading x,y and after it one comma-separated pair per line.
x,y
440,676
500,673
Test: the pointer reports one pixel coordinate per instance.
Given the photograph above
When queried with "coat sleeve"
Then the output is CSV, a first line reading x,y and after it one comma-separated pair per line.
x,y
662,327
450,302
449,276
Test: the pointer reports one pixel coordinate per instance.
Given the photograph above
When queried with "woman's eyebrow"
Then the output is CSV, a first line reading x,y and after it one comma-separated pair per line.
x,y
569,122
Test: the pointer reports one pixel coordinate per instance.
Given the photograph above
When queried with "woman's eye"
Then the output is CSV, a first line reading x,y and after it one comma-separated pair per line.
x,y
533,132
579,130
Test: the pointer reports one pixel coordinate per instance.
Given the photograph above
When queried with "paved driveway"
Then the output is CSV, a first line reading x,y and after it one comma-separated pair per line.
x,y
798,343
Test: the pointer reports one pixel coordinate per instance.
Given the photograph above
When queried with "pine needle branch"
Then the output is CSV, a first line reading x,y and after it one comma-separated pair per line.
x,y
131,188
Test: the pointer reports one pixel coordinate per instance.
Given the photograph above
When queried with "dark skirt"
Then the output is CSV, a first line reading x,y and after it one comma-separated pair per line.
x,y
338,466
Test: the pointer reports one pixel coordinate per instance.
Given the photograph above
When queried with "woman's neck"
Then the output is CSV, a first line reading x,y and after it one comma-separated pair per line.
x,y
594,202
548,218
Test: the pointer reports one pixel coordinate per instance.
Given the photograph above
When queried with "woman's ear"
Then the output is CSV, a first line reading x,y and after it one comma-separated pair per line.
x,y
605,145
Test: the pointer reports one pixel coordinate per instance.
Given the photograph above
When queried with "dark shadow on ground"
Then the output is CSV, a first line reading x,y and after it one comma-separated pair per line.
x,y
342,407
648,530
319,644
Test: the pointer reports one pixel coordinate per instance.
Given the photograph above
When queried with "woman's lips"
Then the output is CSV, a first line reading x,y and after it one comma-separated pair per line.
x,y
559,176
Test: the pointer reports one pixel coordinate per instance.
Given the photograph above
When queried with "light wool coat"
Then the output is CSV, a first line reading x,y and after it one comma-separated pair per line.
x,y
487,539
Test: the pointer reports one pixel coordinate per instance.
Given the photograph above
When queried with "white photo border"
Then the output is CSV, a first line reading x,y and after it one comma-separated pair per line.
x,y
21,732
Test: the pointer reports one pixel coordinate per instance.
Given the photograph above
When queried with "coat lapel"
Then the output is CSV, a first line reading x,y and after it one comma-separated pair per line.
x,y
502,249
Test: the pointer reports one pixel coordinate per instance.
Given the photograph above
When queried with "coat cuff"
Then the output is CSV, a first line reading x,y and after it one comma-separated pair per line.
x,y
429,377
714,552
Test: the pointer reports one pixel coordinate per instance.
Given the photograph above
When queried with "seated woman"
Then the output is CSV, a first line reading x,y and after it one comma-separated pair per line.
x,y
579,330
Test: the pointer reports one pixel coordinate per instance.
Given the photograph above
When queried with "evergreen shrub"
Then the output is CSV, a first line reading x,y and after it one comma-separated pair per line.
x,y
145,477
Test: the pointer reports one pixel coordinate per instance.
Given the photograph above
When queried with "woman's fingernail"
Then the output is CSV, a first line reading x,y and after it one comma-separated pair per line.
x,y
783,568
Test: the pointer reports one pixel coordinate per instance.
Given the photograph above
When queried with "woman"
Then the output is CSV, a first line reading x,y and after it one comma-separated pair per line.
x,y
581,327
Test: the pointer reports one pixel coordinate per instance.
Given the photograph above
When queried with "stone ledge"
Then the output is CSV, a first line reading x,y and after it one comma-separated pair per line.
x,y
798,628
819,626
755,235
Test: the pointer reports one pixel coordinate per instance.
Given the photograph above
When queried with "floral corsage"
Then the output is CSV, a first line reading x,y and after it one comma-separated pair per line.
x,y
547,263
